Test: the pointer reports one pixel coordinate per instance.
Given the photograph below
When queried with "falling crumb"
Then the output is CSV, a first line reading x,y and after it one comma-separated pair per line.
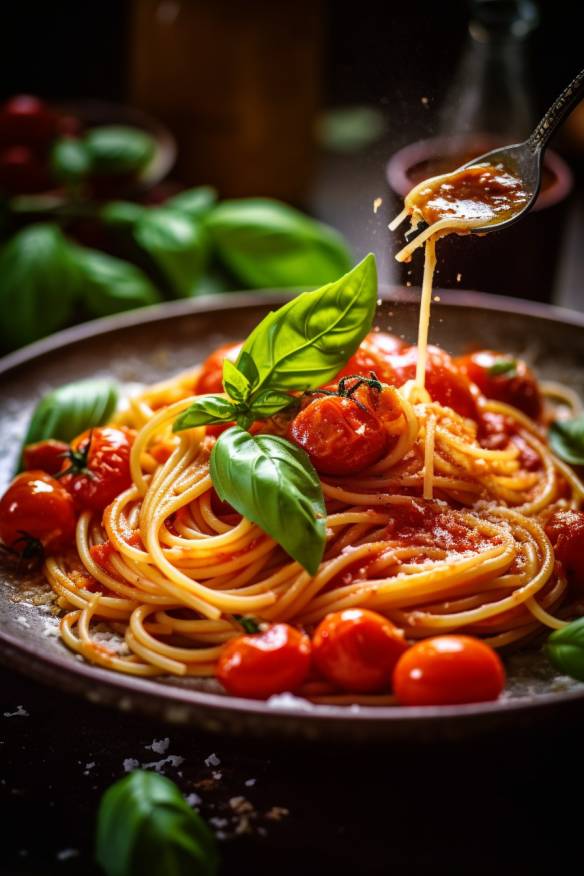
x,y
174,760
458,278
408,283
159,746
249,783
218,822
130,764
277,813
193,799
19,713
88,767
243,825
436,298
212,761
206,784
240,805
217,775
377,204
425,101
66,854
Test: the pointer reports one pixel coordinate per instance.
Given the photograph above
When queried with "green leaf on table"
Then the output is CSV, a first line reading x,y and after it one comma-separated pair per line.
x,y
118,149
266,243
110,285
566,439
70,160
207,410
306,342
121,214
39,285
565,649
194,203
176,244
145,828
273,483
71,409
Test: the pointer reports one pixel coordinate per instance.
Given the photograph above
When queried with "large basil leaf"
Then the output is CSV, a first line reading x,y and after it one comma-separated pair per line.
x,y
117,149
307,341
268,244
111,285
566,439
145,828
71,409
273,483
176,244
565,649
206,410
195,203
39,282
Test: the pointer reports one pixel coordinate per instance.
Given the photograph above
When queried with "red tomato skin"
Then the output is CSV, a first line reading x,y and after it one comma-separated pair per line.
x,y
210,378
259,665
565,530
373,354
519,389
28,121
38,505
445,383
108,462
448,670
21,171
45,455
357,650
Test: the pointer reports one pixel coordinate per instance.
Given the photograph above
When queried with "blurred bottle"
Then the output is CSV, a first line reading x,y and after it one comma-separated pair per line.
x,y
239,86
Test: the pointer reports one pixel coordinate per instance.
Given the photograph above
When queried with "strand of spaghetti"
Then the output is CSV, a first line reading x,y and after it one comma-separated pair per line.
x,y
425,303
428,492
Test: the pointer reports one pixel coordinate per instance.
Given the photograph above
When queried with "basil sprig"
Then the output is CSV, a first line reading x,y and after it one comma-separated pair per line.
x,y
566,439
145,828
507,367
273,483
565,649
301,346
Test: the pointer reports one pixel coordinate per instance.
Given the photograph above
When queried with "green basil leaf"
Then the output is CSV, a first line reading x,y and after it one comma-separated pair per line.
x,y
145,828
207,409
117,149
273,483
269,402
111,285
176,244
69,410
307,341
39,283
195,203
503,366
248,367
565,649
70,160
121,214
566,439
268,244
235,384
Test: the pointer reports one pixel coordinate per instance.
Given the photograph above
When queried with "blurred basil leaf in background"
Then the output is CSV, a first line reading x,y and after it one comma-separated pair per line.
x,y
177,246
70,160
39,283
121,214
110,285
266,243
195,203
350,129
116,149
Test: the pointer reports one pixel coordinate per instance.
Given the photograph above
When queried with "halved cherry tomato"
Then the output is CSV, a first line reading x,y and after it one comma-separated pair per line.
x,y
346,432
210,378
447,670
373,355
36,510
45,455
357,649
565,530
263,664
503,378
98,468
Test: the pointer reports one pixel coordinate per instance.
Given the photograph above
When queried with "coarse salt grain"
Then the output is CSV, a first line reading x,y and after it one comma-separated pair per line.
x,y
130,764
193,799
212,760
159,746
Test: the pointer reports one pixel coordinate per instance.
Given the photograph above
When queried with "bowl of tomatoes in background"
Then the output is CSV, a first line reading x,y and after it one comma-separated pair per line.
x,y
52,153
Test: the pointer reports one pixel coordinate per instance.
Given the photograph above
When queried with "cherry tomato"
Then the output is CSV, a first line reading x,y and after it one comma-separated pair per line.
x,y
447,670
210,378
98,468
28,121
45,455
21,171
262,664
37,509
373,355
346,433
357,650
515,385
565,530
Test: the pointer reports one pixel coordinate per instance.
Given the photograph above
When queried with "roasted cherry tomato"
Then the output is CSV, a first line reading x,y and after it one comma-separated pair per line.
x,y
262,664
504,379
210,378
565,530
357,650
447,670
373,355
344,430
37,511
26,120
45,455
98,467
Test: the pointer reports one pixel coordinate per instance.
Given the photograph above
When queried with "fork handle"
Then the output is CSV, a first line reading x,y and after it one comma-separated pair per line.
x,y
559,109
